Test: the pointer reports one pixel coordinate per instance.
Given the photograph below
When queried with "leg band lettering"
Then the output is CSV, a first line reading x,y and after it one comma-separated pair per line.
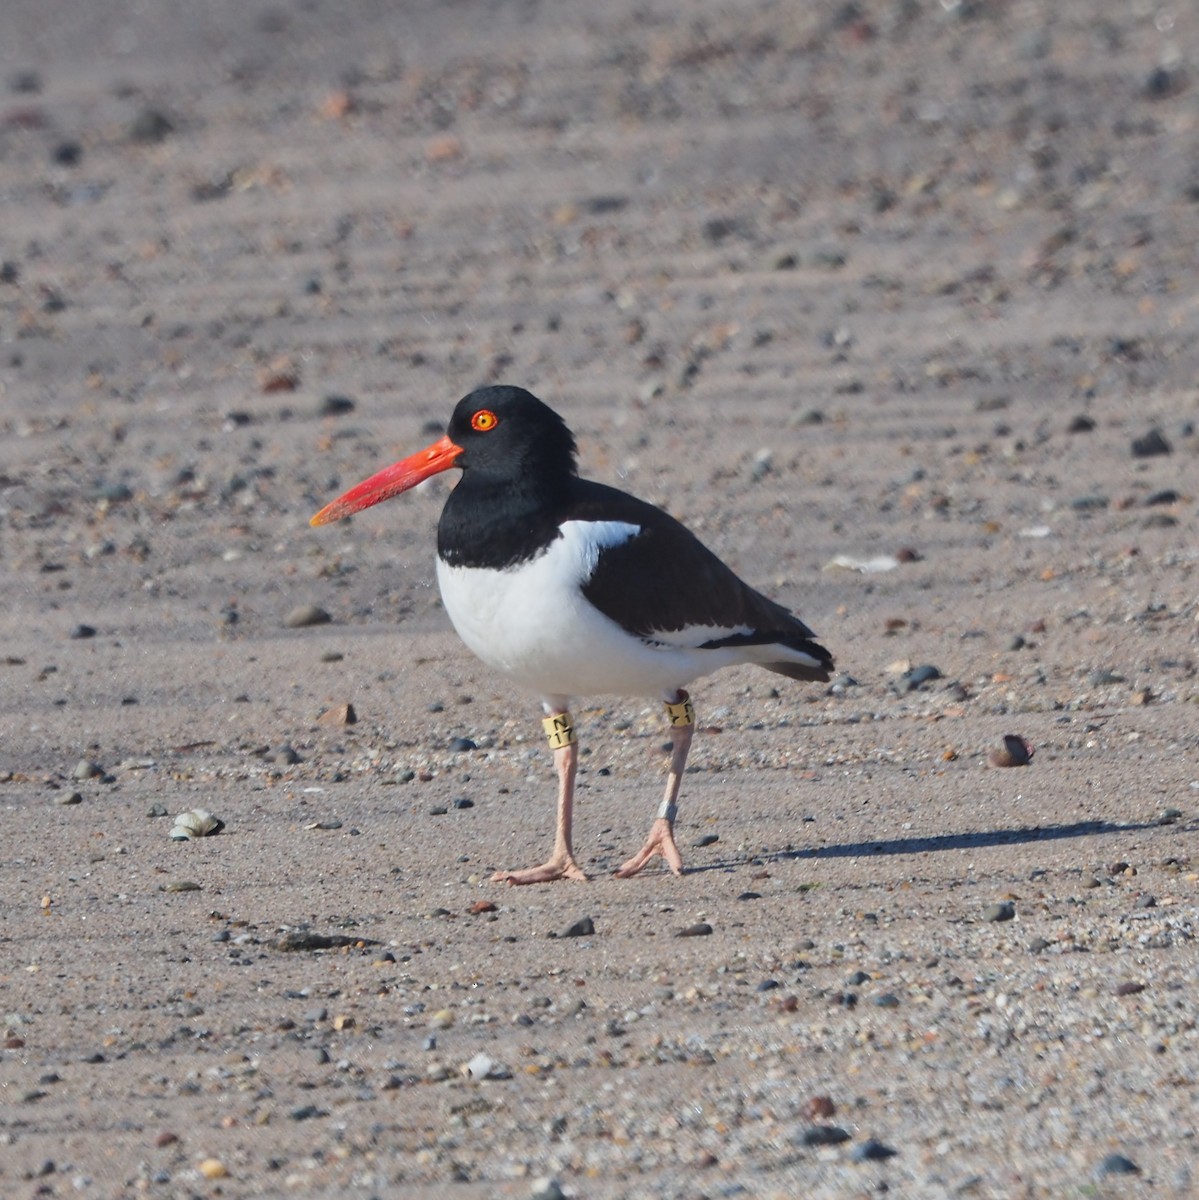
x,y
681,712
559,730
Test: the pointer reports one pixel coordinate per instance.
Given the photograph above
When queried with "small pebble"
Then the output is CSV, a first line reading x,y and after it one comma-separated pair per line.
x,y
461,744
916,678
306,614
87,770
27,81
1116,1164
83,631
335,406
699,929
1129,989
464,802
1150,445
69,798
547,1189
1164,496
584,927
823,1135
213,1168
306,1112
1015,752
337,715
706,839
150,125
819,1108
483,1066
308,939
1005,910
872,1150
181,885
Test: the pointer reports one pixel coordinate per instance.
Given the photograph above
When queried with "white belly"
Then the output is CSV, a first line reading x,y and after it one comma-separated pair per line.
x,y
533,623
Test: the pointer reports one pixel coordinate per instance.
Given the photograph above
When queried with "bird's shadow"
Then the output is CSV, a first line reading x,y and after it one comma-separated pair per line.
x,y
977,840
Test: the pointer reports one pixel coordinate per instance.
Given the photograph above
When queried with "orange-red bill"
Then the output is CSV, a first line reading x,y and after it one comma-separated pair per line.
x,y
391,481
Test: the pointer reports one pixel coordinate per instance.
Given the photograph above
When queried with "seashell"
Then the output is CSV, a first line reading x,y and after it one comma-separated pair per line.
x,y
1015,752
195,823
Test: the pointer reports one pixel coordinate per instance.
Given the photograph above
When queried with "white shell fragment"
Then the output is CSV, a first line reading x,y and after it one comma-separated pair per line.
x,y
483,1066
195,823
866,566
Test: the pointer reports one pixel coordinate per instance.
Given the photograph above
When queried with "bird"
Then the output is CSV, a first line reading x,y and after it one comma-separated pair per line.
x,y
571,587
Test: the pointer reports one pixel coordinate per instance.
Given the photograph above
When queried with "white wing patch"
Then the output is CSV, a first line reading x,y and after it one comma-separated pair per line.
x,y
695,635
587,540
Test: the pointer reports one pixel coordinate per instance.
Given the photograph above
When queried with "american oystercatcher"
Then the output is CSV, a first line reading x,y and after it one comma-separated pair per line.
x,y
574,588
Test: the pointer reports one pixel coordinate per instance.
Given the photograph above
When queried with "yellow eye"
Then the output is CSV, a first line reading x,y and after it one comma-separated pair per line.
x,y
484,420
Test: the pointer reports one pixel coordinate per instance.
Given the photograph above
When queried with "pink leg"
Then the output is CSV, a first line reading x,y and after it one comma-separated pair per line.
x,y
561,864
660,842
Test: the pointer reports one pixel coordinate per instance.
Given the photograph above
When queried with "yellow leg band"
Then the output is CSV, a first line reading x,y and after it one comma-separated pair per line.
x,y
560,730
681,712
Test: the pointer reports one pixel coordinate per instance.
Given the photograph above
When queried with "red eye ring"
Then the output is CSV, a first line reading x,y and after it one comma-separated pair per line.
x,y
484,420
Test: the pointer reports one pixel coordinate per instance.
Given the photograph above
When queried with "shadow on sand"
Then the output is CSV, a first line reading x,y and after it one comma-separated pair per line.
x,y
962,841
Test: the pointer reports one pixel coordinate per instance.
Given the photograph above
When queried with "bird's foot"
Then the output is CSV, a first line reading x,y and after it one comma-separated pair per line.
x,y
561,866
659,844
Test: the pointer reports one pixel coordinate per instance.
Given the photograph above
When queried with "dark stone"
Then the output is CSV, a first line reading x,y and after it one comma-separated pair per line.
x,y
149,126
823,1135
336,406
1116,1164
1151,444
67,154
872,1150
917,677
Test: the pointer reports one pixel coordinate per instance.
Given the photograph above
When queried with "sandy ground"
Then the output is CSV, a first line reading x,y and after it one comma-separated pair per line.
x,y
882,280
